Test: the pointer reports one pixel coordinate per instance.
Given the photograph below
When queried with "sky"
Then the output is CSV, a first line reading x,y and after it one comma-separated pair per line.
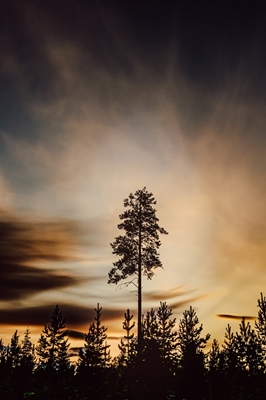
x,y
101,98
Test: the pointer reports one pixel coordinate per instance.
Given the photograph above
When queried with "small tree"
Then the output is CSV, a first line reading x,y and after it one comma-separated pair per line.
x,y
189,334
166,335
260,324
159,326
96,351
150,325
192,358
214,356
3,352
53,344
127,345
215,372
138,248
14,351
27,352
249,350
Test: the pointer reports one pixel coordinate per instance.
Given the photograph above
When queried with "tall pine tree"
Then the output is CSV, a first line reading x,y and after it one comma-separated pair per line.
x,y
138,248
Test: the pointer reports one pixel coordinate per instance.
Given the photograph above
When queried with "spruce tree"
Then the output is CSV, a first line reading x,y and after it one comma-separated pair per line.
x,y
53,345
138,248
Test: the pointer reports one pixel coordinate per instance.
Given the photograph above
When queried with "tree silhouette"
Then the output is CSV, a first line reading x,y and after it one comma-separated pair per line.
x,y
127,344
214,356
53,345
159,351
14,351
166,335
149,325
229,350
215,364
138,248
260,324
249,349
190,347
159,326
94,360
27,352
96,351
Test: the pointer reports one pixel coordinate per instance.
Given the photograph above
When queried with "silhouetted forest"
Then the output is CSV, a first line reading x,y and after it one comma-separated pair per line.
x,y
173,364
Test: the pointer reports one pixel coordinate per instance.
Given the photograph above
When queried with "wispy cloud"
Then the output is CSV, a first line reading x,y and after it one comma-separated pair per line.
x,y
29,248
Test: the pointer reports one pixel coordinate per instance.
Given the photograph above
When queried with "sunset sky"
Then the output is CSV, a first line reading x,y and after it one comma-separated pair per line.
x,y
101,98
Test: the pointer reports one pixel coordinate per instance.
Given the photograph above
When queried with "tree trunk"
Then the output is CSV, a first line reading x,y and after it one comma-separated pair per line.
x,y
139,289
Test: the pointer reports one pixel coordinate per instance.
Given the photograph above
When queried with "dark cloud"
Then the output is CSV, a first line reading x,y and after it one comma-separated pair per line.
x,y
75,334
20,282
115,337
75,315
26,248
230,316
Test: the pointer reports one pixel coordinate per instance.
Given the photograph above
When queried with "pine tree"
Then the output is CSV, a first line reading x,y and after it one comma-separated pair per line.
x,y
159,351
138,248
159,326
192,358
214,356
96,351
150,325
14,351
3,352
260,323
3,361
229,349
189,334
27,351
127,344
166,335
52,348
249,350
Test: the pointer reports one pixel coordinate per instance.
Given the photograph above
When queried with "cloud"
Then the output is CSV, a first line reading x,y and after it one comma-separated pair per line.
x,y
76,316
165,294
28,248
75,334
230,316
181,304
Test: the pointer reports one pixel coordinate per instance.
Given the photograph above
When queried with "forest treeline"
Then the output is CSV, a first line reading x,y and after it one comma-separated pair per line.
x,y
173,364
